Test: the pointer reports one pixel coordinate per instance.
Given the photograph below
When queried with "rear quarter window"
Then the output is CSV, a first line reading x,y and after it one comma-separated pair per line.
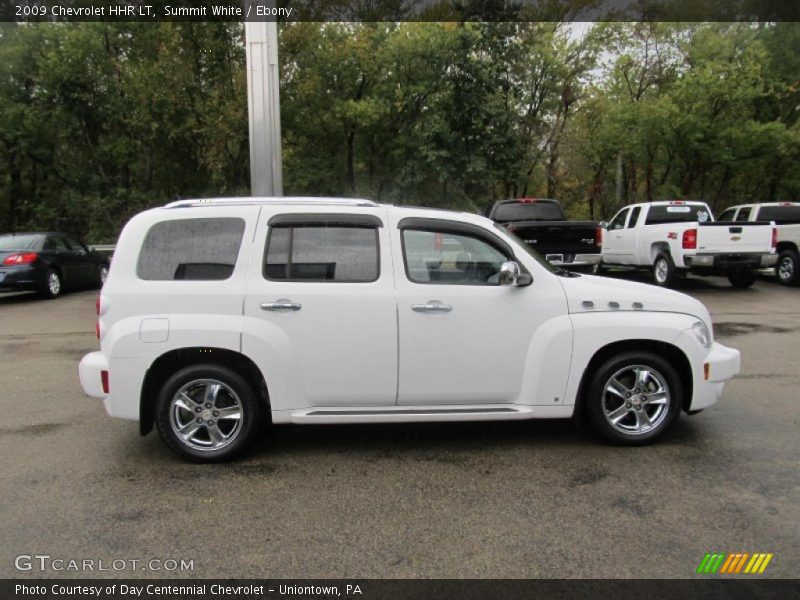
x,y
191,249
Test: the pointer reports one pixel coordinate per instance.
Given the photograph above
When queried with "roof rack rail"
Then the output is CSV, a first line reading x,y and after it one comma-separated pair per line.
x,y
292,201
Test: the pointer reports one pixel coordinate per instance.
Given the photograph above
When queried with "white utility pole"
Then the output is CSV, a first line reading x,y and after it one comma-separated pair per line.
x,y
263,107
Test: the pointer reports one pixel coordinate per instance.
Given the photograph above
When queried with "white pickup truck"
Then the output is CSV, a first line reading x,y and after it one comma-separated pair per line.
x,y
677,236
786,216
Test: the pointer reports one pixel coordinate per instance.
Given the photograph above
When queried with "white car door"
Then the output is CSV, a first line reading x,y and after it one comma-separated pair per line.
x,y
321,297
464,338
627,238
613,236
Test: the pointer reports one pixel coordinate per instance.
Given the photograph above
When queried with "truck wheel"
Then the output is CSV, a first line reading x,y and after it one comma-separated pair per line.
x,y
633,398
207,413
664,272
788,268
742,280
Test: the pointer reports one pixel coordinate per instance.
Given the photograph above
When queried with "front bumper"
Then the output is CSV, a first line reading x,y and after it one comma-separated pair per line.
x,y
720,365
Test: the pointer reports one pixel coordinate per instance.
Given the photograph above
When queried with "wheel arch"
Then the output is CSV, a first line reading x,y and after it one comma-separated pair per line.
x,y
657,248
785,246
672,353
170,362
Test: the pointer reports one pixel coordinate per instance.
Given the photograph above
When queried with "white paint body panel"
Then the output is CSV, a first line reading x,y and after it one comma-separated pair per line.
x,y
357,353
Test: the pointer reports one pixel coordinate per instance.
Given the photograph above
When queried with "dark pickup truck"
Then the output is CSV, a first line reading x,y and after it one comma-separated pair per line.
x,y
542,224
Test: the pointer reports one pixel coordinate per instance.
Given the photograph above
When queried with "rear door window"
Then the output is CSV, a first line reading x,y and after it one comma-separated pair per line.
x,y
744,213
191,249
322,252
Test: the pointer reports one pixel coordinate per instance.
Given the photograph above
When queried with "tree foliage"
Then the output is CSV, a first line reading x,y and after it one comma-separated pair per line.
x,y
101,120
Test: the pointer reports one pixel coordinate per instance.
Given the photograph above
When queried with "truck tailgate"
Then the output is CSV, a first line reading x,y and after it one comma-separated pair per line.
x,y
734,238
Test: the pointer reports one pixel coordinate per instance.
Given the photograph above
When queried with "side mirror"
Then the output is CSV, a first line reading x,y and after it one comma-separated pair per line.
x,y
511,274
603,224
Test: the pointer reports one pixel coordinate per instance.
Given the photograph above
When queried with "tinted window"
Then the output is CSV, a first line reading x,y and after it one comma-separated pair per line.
x,y
744,214
57,244
678,213
313,252
528,211
443,257
76,246
619,220
782,215
191,249
21,242
634,217
727,215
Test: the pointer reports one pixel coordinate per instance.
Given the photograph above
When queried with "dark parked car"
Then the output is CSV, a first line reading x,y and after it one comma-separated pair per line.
x,y
48,263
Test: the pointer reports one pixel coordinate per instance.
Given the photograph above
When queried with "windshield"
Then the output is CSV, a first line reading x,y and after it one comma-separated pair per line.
x,y
678,213
25,241
531,251
528,211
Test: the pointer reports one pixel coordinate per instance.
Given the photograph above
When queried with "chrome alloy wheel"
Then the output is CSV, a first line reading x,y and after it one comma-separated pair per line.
x,y
206,414
54,283
662,270
636,399
786,268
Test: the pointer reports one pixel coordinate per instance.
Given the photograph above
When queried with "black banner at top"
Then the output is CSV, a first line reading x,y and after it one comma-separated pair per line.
x,y
398,10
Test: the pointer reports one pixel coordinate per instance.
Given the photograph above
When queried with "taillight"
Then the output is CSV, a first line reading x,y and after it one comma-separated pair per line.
x,y
24,258
774,237
598,236
690,239
104,381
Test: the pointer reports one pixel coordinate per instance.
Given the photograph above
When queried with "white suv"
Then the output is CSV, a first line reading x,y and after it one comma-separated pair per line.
x,y
219,313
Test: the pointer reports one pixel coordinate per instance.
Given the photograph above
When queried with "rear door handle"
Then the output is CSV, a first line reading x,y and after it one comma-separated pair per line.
x,y
432,307
281,305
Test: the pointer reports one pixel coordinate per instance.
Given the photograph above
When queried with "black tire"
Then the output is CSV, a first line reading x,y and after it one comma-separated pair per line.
x,y
631,429
742,280
200,448
664,272
53,285
787,270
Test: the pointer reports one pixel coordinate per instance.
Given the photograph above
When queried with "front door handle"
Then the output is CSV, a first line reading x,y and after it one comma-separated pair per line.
x,y
432,307
281,305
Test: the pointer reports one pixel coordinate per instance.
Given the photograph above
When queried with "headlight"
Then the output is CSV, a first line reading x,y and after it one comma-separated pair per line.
x,y
702,334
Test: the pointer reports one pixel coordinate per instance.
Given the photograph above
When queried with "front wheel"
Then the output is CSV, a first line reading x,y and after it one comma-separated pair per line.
x,y
742,280
207,413
788,268
633,398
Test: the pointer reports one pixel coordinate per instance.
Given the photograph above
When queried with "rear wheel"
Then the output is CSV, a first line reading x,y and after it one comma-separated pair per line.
x,y
742,280
207,413
633,398
53,284
664,271
788,268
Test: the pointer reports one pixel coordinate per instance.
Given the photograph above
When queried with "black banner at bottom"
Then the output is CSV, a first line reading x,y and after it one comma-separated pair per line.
x,y
389,589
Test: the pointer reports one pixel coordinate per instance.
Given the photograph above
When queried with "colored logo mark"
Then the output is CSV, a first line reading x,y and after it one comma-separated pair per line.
x,y
730,563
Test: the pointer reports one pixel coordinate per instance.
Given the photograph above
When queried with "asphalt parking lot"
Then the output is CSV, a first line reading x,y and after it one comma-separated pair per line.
x,y
493,500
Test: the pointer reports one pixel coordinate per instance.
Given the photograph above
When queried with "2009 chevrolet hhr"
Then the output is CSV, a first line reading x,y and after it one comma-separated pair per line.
x,y
217,314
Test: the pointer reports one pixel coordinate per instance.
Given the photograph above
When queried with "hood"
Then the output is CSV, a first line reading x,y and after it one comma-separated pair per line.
x,y
607,295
